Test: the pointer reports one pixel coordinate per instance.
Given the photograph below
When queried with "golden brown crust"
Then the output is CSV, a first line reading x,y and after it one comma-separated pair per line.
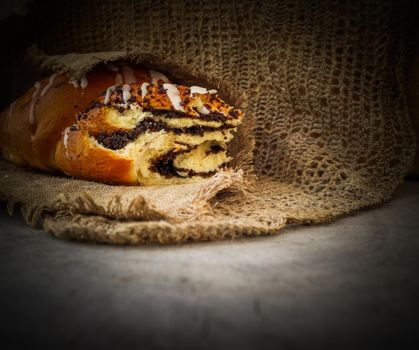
x,y
157,99
96,121
77,156
34,144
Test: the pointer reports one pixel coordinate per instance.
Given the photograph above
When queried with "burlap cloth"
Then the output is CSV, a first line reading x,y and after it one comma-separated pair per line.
x,y
323,80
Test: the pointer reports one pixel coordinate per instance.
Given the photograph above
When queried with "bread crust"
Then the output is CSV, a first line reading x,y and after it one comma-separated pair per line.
x,y
76,156
34,144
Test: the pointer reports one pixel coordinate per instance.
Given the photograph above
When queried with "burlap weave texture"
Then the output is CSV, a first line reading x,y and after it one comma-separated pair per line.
x,y
324,80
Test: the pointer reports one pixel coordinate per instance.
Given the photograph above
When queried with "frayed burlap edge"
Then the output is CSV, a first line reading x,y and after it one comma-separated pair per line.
x,y
137,209
101,230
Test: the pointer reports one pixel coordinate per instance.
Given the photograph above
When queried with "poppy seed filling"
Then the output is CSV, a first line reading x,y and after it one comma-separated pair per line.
x,y
118,139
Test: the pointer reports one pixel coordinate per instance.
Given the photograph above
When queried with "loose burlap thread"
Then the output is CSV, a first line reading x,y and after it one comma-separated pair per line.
x,y
324,81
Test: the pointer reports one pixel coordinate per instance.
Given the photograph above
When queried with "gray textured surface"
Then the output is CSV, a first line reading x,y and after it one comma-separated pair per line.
x,y
348,284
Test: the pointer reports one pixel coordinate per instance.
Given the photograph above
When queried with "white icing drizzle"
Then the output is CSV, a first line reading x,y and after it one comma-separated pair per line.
x,y
109,91
201,90
118,79
74,82
65,139
204,110
144,89
48,86
112,67
174,96
156,76
198,90
33,100
83,82
11,108
128,74
126,94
